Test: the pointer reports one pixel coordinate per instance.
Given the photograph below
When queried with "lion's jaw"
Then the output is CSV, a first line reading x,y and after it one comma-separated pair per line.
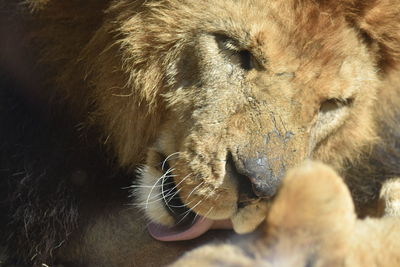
x,y
242,91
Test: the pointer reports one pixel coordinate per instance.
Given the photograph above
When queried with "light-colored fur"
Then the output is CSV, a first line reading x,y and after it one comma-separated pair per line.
x,y
153,79
312,222
317,80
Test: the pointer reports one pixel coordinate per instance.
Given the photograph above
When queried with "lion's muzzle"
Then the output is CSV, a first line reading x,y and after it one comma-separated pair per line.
x,y
255,176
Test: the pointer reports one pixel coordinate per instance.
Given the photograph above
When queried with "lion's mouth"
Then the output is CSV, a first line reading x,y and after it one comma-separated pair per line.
x,y
198,227
189,225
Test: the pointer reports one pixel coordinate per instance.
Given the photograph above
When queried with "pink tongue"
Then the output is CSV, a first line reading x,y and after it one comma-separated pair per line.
x,y
199,227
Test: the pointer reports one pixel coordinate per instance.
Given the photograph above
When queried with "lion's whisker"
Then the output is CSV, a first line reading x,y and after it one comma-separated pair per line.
x,y
172,195
163,195
177,191
181,181
181,206
167,158
208,212
186,213
144,186
158,180
194,189
152,200
194,219
205,198
173,188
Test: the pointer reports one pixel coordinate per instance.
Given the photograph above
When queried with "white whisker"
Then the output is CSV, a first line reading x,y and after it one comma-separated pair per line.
x,y
156,183
186,213
167,158
182,206
163,195
173,194
194,189
208,212
145,186
194,219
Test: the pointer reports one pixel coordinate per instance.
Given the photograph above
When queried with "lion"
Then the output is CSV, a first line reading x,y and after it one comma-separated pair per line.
x,y
312,222
192,110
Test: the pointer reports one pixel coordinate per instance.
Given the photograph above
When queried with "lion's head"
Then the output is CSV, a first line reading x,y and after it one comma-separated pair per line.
x,y
230,94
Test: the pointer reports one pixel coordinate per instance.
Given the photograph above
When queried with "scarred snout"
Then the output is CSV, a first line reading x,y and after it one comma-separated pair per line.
x,y
259,167
261,174
256,177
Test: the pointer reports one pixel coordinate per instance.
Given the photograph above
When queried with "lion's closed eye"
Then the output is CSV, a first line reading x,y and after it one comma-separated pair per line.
x,y
236,54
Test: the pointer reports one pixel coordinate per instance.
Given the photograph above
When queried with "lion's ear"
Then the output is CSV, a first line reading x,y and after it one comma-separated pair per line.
x,y
379,22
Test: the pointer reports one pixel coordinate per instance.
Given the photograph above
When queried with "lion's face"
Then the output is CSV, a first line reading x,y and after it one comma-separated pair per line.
x,y
252,88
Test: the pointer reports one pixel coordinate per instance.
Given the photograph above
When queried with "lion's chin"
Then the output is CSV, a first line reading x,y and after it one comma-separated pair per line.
x,y
180,232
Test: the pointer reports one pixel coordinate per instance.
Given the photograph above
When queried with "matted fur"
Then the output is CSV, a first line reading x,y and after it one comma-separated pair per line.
x,y
139,82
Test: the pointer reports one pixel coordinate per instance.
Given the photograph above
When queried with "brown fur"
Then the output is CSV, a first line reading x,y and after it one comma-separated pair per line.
x,y
155,80
312,222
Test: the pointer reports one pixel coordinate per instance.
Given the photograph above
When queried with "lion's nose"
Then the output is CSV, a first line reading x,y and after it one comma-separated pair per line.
x,y
258,176
263,179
